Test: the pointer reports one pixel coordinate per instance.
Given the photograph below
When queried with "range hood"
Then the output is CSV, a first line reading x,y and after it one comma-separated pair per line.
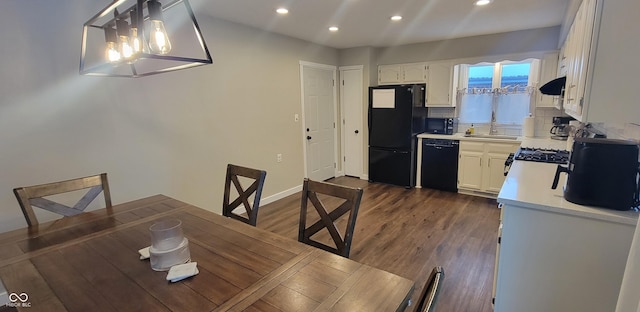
x,y
554,87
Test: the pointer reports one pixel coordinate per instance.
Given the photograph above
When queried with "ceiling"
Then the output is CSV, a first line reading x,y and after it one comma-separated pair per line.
x,y
367,22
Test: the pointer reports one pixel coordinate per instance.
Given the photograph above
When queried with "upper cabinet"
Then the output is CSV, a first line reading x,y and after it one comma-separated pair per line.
x,y
548,72
577,50
601,52
402,73
610,94
440,84
437,75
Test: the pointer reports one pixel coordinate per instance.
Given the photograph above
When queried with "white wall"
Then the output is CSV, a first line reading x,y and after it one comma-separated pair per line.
x,y
172,133
515,42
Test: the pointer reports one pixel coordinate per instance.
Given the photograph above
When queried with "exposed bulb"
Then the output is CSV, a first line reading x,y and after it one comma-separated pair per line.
x,y
112,52
136,43
159,40
125,48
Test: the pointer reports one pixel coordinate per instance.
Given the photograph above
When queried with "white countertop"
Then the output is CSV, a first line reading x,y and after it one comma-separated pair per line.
x,y
528,185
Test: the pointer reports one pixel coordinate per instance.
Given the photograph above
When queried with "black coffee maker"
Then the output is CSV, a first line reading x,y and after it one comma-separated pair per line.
x,y
602,173
560,129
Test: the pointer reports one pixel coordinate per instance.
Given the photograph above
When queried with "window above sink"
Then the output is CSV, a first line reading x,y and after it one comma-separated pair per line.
x,y
504,88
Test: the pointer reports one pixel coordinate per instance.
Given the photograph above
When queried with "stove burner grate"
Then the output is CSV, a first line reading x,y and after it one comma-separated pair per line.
x,y
542,155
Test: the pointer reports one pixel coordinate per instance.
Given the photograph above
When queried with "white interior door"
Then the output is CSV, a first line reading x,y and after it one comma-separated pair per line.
x,y
352,107
318,96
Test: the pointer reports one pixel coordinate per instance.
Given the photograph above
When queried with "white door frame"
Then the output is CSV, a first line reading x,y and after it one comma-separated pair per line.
x,y
304,64
359,68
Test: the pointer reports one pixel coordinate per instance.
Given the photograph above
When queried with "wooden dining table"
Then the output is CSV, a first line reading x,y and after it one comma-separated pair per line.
x,y
90,262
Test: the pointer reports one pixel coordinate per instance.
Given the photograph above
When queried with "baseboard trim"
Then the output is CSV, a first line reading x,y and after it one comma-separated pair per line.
x,y
281,195
477,193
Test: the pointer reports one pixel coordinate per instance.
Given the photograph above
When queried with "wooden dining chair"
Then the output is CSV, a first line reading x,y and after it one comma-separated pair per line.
x,y
257,178
29,196
350,202
431,290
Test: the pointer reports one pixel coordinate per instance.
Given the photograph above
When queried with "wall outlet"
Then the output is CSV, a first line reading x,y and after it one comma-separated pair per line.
x,y
279,157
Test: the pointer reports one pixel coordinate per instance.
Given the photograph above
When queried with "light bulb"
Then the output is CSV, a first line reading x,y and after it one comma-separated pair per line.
x,y
136,43
125,48
158,39
111,52
122,28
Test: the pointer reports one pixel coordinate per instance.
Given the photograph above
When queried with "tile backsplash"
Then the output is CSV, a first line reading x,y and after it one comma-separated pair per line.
x,y
543,123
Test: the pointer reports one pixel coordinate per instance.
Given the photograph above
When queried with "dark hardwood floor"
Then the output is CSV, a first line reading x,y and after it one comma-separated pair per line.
x,y
409,231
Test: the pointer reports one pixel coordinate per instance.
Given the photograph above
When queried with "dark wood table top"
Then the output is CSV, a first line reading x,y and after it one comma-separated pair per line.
x,y
90,262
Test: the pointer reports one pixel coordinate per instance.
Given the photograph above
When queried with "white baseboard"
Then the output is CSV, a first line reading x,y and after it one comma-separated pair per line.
x,y
281,195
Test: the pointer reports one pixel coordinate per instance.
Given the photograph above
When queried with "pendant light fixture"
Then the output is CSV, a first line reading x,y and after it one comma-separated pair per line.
x,y
137,38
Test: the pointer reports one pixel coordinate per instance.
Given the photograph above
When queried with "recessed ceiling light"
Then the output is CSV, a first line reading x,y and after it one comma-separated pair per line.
x,y
396,18
282,11
333,28
482,2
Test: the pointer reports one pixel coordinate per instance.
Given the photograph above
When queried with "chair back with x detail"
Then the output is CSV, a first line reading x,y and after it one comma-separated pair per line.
x,y
34,196
351,196
257,177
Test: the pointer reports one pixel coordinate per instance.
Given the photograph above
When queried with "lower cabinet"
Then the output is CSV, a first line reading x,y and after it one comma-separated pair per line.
x,y
481,166
551,261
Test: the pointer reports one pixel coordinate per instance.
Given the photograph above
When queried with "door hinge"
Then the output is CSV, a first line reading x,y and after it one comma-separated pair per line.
x,y
333,81
343,82
493,300
334,165
500,240
344,158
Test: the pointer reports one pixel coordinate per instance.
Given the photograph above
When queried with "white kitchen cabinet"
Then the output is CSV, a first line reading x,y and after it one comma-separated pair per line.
x,y
440,84
611,94
548,72
577,49
470,167
389,74
554,261
481,166
402,73
555,255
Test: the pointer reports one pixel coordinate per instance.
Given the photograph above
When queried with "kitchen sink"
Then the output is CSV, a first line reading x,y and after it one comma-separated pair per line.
x,y
492,136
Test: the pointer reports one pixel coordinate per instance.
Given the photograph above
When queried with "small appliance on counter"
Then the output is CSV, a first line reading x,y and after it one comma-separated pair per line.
x,y
441,125
560,129
602,173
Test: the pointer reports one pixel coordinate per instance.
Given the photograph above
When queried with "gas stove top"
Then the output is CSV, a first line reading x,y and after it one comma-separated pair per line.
x,y
542,155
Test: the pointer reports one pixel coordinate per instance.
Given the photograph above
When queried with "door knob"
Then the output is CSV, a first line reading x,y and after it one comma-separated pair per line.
x,y
308,137
357,131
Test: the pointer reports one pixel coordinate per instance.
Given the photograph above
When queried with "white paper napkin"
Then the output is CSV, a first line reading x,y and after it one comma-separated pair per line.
x,y
144,253
182,271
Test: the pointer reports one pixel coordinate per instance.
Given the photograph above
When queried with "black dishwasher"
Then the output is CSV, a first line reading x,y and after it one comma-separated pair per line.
x,y
440,164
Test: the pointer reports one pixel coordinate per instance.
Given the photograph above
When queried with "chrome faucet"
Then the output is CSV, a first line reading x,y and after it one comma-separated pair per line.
x,y
492,128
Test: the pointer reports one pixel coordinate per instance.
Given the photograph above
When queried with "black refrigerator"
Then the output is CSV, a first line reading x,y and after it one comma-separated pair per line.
x,y
396,117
